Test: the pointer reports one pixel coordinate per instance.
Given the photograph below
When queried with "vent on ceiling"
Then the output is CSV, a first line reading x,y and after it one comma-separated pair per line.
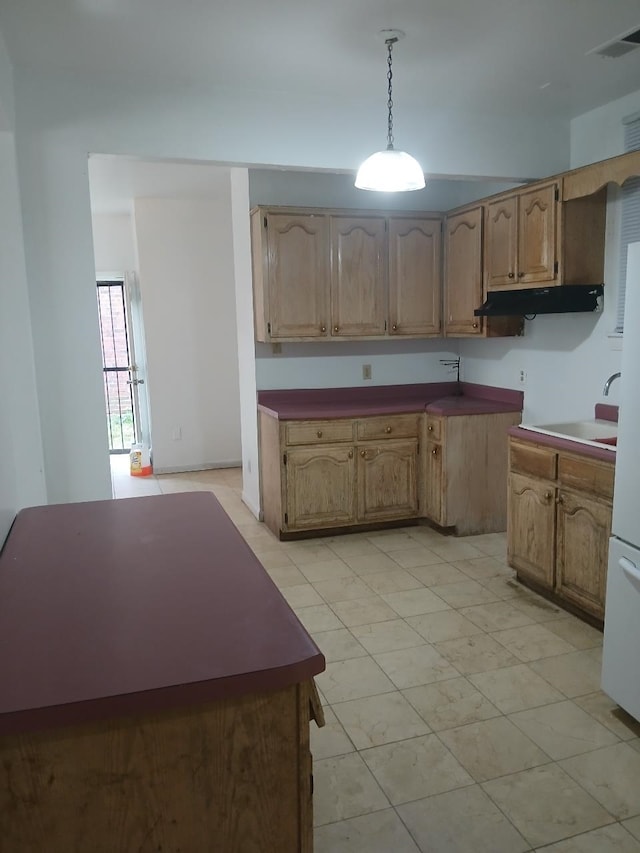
x,y
619,45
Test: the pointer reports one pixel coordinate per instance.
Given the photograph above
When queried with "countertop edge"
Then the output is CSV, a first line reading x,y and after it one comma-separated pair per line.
x,y
601,453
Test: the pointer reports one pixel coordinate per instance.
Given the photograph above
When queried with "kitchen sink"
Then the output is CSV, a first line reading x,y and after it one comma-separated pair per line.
x,y
595,432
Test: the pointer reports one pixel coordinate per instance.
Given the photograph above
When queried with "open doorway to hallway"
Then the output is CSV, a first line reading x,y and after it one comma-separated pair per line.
x,y
166,227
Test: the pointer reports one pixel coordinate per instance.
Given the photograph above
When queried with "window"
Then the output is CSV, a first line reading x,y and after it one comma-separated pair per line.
x,y
630,227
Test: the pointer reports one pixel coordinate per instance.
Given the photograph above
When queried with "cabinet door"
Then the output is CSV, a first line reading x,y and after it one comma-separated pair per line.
x,y
501,243
358,264
463,273
433,487
584,528
387,481
320,487
414,276
531,528
537,235
298,255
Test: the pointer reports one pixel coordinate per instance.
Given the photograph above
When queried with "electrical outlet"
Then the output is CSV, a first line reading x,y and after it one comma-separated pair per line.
x,y
522,377
366,371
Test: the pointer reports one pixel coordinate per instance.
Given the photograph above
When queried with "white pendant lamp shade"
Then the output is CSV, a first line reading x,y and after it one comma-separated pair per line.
x,y
390,171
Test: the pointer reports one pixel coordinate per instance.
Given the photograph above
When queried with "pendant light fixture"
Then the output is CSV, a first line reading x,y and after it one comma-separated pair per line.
x,y
390,171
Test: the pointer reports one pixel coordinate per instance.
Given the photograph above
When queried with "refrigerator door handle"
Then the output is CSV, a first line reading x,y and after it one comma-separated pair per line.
x,y
630,569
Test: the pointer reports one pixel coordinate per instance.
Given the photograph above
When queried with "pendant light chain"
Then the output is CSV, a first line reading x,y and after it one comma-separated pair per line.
x,y
390,43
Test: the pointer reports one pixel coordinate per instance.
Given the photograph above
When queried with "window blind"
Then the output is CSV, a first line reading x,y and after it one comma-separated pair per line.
x,y
630,226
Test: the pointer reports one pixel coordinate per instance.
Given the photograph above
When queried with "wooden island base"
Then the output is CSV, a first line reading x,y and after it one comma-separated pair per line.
x,y
228,777
156,688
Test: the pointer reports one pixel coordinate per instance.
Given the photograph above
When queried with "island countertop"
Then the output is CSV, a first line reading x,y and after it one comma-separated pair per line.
x,y
439,398
112,608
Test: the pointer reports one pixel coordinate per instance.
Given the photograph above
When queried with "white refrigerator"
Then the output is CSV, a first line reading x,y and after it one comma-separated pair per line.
x,y
621,654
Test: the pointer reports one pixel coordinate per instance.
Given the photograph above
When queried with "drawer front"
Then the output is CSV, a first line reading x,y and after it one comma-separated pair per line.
x,y
529,459
318,432
395,426
586,475
434,428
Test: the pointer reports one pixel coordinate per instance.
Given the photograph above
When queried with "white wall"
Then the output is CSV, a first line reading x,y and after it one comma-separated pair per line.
x,y
567,357
113,242
246,342
599,134
21,463
186,268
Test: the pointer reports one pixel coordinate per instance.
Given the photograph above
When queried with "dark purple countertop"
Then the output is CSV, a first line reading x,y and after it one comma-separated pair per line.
x,y
136,606
603,452
442,398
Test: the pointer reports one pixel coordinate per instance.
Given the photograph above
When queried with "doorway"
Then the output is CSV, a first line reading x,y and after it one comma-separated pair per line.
x,y
123,382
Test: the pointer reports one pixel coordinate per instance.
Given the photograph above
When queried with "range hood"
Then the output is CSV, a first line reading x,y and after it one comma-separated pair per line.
x,y
565,299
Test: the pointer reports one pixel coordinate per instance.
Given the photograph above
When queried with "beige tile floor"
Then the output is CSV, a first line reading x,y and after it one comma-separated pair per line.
x,y
463,712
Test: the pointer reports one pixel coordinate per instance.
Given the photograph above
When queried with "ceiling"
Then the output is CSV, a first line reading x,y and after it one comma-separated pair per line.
x,y
116,181
499,56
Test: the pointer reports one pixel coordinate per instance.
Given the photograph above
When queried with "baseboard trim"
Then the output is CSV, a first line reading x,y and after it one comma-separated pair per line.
x,y
255,510
203,466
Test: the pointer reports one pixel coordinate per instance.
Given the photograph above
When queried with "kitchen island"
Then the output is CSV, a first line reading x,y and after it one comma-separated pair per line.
x,y
156,687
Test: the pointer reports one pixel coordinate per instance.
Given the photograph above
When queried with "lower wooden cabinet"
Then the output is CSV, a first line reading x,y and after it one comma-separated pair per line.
x,y
531,525
559,523
466,463
582,551
388,481
320,487
339,473
344,472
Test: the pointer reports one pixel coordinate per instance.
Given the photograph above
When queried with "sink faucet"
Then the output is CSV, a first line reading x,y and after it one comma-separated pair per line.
x,y
607,384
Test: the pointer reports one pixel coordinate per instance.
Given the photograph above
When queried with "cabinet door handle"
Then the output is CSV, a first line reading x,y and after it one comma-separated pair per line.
x,y
434,452
394,328
388,430
319,433
475,326
323,329
335,329
548,496
560,499
430,428
363,453
520,274
511,275
350,454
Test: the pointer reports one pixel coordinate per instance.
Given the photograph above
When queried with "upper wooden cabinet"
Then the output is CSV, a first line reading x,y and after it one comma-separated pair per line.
x,y
358,276
290,267
415,273
533,239
463,272
463,277
332,274
521,238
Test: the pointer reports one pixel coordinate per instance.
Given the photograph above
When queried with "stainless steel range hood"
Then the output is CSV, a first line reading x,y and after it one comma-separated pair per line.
x,y
566,299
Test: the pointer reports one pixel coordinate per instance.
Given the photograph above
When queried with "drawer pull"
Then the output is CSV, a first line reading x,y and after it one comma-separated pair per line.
x,y
319,433
388,430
